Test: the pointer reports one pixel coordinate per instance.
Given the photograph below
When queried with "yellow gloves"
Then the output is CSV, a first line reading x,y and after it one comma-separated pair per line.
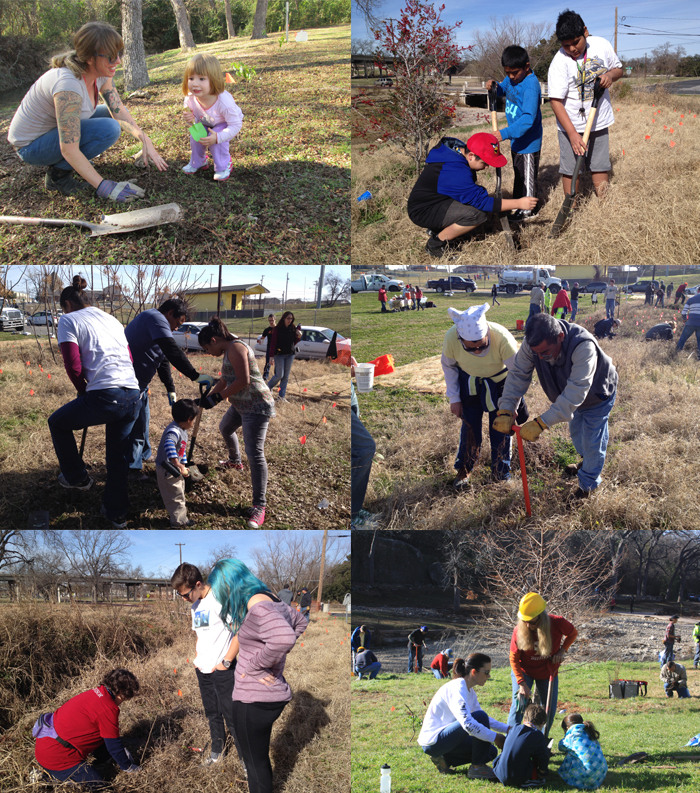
x,y
504,421
532,430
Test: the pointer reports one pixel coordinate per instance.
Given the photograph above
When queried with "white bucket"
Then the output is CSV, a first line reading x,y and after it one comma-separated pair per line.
x,y
364,374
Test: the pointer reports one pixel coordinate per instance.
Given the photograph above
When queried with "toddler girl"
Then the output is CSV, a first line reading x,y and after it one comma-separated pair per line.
x,y
208,102
584,766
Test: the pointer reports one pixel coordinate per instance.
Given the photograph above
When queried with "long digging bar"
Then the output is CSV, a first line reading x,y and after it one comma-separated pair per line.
x,y
523,472
549,698
505,225
565,210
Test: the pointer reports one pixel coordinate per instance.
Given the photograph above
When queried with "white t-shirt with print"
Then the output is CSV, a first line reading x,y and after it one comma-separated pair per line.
x,y
565,77
104,351
213,637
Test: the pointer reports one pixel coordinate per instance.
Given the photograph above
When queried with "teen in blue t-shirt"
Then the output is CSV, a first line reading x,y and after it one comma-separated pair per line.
x,y
521,89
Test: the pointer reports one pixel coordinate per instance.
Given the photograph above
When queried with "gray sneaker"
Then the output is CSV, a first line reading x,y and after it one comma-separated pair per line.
x,y
213,758
86,484
441,764
481,772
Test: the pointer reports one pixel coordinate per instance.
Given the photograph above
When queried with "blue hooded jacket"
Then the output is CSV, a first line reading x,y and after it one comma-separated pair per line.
x,y
524,130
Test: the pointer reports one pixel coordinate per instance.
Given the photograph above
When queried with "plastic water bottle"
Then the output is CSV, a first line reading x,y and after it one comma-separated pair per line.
x,y
385,780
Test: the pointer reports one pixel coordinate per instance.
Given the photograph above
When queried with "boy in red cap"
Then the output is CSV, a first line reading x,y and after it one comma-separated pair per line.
x,y
446,198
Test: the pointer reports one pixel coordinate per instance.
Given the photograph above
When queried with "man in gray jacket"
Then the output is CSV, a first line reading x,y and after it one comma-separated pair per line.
x,y
536,299
578,378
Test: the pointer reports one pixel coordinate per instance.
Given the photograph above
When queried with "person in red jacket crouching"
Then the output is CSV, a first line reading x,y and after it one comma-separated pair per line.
x,y
87,724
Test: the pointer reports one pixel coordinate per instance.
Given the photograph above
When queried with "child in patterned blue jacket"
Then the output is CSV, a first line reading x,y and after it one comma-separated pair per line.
x,y
584,766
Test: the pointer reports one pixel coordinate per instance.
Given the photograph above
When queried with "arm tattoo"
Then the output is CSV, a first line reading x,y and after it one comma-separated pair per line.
x,y
113,101
68,106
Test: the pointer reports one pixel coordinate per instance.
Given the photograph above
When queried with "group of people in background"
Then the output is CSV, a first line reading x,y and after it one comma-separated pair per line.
x,y
112,368
244,634
410,299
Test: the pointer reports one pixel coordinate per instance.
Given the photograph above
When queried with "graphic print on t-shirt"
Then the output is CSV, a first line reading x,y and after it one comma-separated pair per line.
x,y
595,67
201,619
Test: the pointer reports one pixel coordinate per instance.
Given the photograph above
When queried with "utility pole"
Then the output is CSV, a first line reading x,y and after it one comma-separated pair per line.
x,y
218,296
180,544
286,292
645,67
616,29
323,567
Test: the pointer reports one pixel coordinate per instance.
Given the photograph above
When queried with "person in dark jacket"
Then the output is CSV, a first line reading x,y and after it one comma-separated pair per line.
x,y
305,602
416,643
366,663
578,378
664,330
603,329
525,756
150,337
284,339
575,292
446,198
648,292
266,334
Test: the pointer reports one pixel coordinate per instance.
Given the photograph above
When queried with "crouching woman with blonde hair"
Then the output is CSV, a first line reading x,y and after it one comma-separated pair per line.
x,y
538,646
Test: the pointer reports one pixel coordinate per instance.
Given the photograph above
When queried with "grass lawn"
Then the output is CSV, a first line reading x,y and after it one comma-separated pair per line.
x,y
286,200
387,716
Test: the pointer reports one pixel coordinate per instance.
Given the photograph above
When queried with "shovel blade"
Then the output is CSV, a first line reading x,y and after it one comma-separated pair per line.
x,y
195,474
562,217
124,222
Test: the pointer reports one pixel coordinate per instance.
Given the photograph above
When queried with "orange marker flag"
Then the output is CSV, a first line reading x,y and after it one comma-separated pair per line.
x,y
174,671
302,440
31,392
229,79
647,137
28,363
393,708
304,389
672,143
671,130
30,371
333,405
179,692
303,408
324,418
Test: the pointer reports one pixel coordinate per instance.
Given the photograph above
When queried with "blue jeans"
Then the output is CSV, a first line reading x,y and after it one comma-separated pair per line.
x,y
688,331
683,693
415,651
459,748
696,660
97,134
515,718
254,433
574,310
361,456
84,774
383,302
370,669
117,408
589,434
438,674
470,434
283,368
610,308
668,653
139,448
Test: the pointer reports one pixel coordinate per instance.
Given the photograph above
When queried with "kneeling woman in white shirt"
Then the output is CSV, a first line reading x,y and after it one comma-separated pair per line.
x,y
456,730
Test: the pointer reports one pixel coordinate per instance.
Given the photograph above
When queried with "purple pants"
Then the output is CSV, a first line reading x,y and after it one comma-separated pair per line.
x,y
219,151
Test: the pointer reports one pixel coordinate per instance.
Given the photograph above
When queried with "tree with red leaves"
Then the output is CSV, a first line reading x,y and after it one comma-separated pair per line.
x,y
422,50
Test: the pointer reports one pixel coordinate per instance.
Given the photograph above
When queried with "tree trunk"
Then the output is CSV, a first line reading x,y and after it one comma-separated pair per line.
x,y
135,70
183,25
455,592
229,20
259,20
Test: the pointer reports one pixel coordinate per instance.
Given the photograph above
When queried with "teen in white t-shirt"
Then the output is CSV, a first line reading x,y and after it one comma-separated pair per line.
x,y
213,637
571,76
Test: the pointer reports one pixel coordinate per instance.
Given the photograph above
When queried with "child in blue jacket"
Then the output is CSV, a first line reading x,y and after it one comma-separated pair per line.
x,y
524,760
524,131
584,766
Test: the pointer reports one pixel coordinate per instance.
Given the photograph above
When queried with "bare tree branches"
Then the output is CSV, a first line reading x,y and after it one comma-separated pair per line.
x,y
489,44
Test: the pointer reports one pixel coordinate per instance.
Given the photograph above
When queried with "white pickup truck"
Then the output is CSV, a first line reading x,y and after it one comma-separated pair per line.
x,y
11,318
373,281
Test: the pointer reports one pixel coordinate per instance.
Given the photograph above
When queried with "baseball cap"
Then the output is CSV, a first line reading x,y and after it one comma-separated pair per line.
x,y
485,145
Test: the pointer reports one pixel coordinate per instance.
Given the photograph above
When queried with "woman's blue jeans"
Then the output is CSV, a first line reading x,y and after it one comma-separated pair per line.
x,y
97,134
459,748
117,409
283,368
83,773
515,718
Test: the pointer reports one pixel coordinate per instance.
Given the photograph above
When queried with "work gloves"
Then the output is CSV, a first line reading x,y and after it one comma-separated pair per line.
x,y
172,398
121,192
208,402
504,421
209,380
532,430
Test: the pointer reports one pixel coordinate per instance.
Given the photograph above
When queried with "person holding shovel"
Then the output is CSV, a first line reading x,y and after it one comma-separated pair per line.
x,y
61,124
578,378
153,348
475,359
96,356
538,646
252,406
416,643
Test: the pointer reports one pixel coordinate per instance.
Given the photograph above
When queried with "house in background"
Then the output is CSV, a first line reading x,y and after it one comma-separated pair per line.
x,y
203,300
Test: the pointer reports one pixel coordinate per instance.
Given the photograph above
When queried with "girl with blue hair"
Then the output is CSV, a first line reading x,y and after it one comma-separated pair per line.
x,y
265,630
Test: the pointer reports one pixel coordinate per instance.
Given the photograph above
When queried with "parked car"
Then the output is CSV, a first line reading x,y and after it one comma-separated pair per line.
x,y
186,335
384,82
641,286
454,282
314,342
43,318
594,286
691,290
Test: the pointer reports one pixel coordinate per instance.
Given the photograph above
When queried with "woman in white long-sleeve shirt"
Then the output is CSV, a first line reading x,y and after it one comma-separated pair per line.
x,y
456,730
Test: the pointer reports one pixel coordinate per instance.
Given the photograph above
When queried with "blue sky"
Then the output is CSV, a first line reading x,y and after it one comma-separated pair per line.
x,y
682,17
301,276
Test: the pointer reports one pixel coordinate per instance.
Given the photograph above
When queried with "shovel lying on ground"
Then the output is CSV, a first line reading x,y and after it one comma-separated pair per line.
x,y
121,223
493,102
523,472
565,210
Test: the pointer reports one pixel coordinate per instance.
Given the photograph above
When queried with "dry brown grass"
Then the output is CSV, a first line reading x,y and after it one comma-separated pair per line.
x,y
649,474
649,213
28,464
310,741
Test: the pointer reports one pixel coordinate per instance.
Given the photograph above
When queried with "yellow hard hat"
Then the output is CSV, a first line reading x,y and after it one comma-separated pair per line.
x,y
531,606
